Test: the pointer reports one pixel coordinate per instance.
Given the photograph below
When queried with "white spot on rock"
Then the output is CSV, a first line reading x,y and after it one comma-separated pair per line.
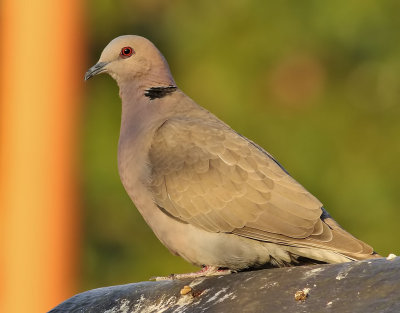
x,y
313,272
197,281
121,307
269,285
144,305
391,256
217,294
341,275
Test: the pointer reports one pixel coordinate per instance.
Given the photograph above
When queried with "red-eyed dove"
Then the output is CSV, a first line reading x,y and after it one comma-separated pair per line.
x,y
210,195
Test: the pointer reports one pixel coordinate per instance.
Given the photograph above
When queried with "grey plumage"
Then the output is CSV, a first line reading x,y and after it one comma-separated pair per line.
x,y
210,195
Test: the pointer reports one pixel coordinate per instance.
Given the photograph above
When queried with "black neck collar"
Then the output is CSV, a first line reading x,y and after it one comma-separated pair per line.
x,y
159,92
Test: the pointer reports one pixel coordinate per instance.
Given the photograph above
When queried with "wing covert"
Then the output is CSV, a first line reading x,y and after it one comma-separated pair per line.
x,y
205,174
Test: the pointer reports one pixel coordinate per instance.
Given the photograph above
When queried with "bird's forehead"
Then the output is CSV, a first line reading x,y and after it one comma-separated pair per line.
x,y
115,45
127,40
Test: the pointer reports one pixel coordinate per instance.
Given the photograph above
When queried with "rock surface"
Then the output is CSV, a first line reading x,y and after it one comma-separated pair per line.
x,y
367,286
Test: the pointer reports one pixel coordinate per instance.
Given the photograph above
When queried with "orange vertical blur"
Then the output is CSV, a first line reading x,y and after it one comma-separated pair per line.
x,y
41,55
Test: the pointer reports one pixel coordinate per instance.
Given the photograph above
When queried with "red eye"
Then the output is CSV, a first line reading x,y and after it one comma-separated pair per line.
x,y
126,52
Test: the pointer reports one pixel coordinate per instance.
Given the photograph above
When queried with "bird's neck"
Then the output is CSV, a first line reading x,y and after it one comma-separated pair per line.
x,y
151,89
140,118
141,108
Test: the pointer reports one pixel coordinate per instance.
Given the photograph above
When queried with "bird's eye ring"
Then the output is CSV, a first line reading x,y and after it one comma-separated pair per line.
x,y
126,52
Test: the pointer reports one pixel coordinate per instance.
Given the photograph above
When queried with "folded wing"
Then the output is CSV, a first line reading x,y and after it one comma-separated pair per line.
x,y
205,174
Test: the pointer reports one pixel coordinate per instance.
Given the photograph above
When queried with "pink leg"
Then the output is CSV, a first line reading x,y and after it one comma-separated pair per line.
x,y
205,271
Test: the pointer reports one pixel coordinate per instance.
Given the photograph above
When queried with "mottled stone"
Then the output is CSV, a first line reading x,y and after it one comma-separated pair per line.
x,y
367,286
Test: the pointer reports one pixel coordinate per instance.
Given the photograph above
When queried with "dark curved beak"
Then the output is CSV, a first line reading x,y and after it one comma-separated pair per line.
x,y
96,69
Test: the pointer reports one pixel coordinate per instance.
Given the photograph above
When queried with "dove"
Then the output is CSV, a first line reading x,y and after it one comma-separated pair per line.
x,y
210,195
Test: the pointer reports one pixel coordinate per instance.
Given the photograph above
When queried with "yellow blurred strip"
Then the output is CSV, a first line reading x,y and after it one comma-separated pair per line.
x,y
41,76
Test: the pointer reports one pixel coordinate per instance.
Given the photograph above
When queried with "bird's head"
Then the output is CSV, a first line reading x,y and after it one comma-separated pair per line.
x,y
131,57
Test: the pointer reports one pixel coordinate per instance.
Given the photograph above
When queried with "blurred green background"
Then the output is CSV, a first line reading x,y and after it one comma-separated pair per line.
x,y
316,83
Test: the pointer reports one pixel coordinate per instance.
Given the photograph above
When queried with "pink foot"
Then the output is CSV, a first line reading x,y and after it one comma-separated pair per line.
x,y
205,271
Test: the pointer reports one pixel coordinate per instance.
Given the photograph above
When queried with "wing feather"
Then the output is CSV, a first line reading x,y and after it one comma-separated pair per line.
x,y
205,174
